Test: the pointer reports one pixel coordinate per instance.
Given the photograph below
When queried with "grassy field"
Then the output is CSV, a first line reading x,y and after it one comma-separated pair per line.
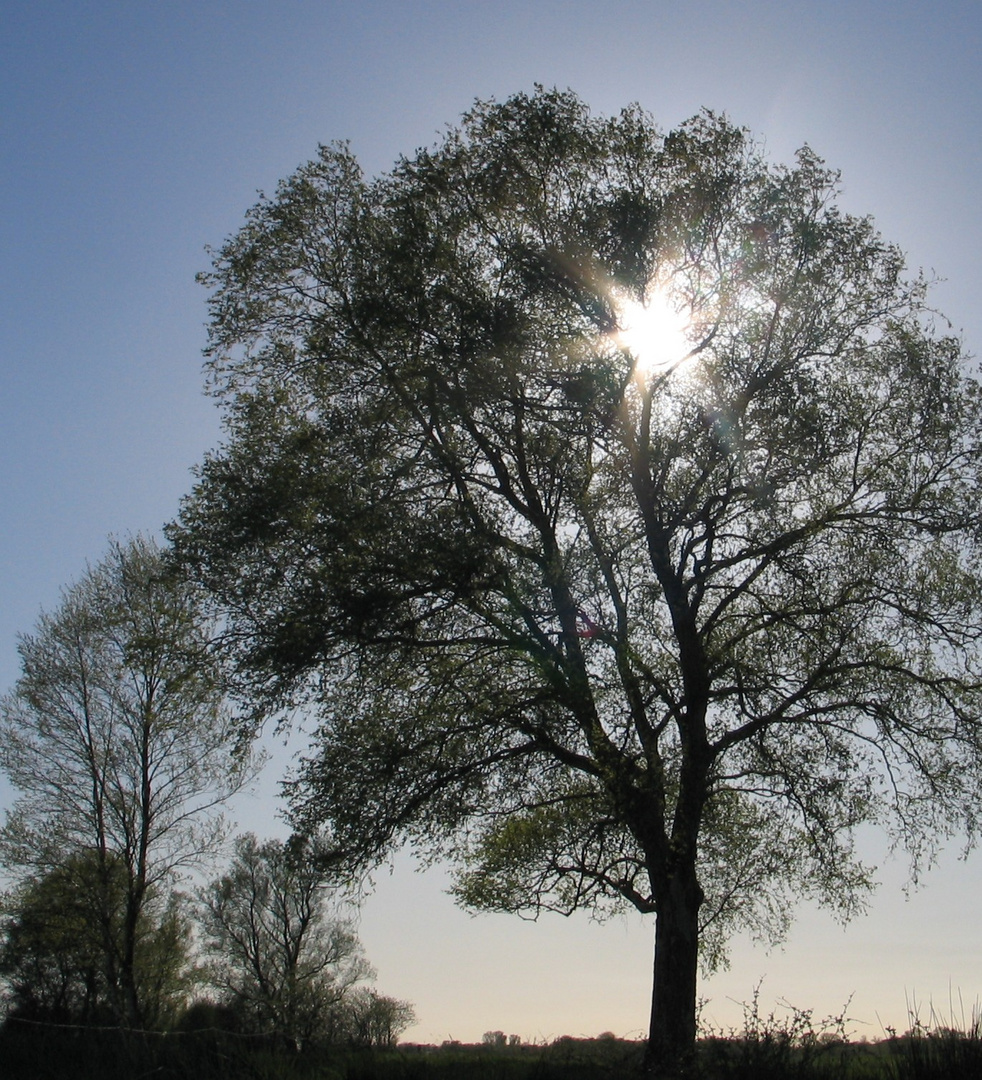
x,y
769,1053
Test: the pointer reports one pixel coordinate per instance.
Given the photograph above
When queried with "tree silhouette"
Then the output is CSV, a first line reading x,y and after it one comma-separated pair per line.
x,y
279,954
611,608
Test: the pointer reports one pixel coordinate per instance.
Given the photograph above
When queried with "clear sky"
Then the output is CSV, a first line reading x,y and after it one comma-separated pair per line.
x,y
133,133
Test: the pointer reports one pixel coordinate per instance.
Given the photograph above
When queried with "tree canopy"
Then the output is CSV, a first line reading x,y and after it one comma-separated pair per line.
x,y
612,498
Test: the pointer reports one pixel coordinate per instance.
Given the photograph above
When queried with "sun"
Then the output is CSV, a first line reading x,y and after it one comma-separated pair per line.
x,y
654,331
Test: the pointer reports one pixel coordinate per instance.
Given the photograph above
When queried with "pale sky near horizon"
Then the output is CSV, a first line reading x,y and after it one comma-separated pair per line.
x,y
133,133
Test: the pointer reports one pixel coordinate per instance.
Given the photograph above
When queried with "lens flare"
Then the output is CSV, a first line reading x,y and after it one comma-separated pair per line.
x,y
653,331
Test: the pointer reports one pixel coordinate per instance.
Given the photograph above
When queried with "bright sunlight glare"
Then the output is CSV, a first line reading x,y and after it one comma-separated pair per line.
x,y
653,332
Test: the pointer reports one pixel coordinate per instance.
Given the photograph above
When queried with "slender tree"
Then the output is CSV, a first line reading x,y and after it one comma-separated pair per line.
x,y
614,501
119,742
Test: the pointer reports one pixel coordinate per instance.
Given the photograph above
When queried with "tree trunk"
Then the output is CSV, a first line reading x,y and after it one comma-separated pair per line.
x,y
131,922
670,1051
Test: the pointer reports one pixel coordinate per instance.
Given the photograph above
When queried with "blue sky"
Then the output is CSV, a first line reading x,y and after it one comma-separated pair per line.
x,y
134,133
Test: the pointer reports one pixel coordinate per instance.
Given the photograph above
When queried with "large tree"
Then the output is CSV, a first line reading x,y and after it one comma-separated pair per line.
x,y
120,744
614,501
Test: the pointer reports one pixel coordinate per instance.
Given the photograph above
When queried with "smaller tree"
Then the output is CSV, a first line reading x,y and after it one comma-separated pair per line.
x,y
52,953
376,1020
278,951
51,958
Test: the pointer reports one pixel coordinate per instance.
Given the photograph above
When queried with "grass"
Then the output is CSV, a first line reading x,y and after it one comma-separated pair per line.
x,y
940,1047
786,1046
